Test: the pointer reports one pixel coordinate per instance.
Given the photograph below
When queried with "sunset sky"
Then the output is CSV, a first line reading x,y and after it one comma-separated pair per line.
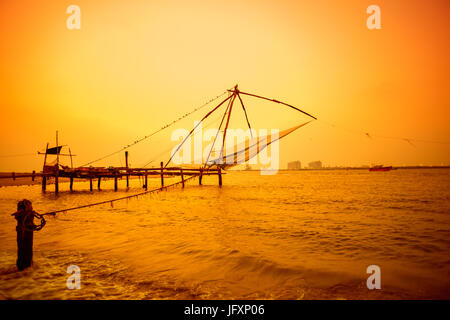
x,y
135,66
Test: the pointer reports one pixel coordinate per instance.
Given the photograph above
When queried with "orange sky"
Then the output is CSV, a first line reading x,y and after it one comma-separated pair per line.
x,y
136,65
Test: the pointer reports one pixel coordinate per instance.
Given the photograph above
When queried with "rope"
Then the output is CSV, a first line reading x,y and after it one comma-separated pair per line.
x,y
39,226
173,146
155,132
117,199
371,135
35,227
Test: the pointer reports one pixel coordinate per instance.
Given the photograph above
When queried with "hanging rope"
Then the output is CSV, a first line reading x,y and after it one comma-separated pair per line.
x,y
174,145
155,132
117,199
195,127
371,135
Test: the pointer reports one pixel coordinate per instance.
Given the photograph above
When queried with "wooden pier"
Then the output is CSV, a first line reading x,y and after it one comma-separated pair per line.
x,y
209,167
98,174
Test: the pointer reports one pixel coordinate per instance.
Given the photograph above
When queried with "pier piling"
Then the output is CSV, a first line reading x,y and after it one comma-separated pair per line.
x,y
91,174
56,183
24,217
182,177
146,181
44,183
126,165
162,174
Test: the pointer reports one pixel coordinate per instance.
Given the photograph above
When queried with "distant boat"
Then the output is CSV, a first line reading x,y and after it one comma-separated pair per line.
x,y
380,168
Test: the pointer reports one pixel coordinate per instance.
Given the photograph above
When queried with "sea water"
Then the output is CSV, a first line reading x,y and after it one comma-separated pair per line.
x,y
294,235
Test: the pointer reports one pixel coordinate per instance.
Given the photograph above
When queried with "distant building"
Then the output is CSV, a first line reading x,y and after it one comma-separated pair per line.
x,y
315,165
294,165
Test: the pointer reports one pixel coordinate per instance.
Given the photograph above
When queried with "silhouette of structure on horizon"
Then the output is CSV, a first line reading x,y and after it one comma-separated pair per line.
x,y
315,165
294,165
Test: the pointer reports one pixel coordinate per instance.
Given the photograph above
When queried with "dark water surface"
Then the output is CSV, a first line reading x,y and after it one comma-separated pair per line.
x,y
294,235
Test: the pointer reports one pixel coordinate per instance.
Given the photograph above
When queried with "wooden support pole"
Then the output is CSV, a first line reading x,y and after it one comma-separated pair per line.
x,y
200,177
33,175
90,183
115,182
219,172
57,165
56,182
98,183
24,217
14,176
44,182
146,181
71,183
182,177
126,165
162,174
